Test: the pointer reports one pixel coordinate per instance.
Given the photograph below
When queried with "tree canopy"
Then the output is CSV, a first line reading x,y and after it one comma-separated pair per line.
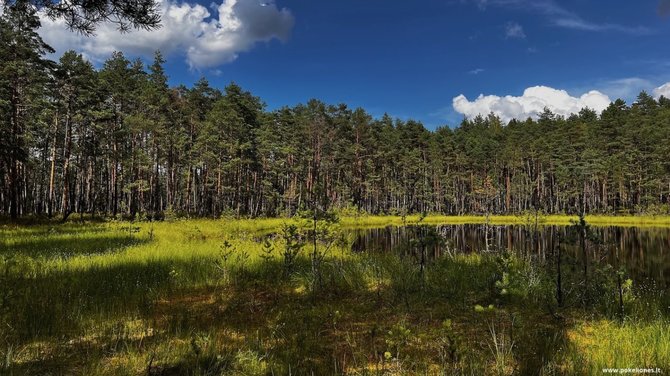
x,y
120,141
85,15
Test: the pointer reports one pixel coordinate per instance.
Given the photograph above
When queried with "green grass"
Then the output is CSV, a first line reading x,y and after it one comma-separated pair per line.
x,y
199,297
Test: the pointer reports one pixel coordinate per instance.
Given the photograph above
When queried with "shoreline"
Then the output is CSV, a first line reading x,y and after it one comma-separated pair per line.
x,y
543,220
374,221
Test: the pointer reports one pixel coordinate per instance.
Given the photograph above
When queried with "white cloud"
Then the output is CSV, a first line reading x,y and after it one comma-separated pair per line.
x,y
189,29
514,30
663,90
530,104
577,23
476,71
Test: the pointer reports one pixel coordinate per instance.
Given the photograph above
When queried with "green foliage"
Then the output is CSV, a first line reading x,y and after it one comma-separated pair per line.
x,y
224,257
293,242
480,309
450,344
397,338
521,279
267,251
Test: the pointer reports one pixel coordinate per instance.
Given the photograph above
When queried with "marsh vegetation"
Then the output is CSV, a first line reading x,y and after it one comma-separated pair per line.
x,y
274,296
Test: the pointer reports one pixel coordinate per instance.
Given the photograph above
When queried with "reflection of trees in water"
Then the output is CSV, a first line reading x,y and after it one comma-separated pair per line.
x,y
643,251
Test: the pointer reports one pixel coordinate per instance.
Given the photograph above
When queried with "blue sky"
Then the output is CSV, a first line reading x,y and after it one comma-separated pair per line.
x,y
412,59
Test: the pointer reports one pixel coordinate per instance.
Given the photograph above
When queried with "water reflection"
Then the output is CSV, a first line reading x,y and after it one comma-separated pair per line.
x,y
643,251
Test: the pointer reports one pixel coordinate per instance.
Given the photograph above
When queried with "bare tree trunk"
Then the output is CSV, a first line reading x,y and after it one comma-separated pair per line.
x,y
559,276
52,171
65,202
13,159
508,193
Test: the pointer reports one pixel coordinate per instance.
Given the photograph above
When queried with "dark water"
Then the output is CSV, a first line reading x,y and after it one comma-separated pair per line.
x,y
644,252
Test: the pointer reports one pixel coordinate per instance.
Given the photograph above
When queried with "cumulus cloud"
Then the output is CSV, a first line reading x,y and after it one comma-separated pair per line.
x,y
663,90
514,30
205,39
532,103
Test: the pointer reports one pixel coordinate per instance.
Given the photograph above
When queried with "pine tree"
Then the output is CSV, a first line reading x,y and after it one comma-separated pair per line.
x,y
24,73
84,16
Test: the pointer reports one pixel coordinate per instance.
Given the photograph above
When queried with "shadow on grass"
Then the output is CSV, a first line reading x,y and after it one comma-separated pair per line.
x,y
66,240
338,323
57,246
49,305
42,220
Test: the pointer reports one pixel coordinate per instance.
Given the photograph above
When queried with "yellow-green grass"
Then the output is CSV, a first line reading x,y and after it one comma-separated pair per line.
x,y
372,221
528,219
599,344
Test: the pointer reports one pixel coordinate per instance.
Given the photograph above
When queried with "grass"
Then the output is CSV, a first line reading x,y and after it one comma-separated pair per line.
x,y
365,221
599,344
206,297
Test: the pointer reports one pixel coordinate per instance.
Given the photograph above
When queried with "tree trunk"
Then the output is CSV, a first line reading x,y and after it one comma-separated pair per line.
x,y
65,202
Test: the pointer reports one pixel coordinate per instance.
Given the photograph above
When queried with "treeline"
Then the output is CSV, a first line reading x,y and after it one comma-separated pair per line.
x,y
120,141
